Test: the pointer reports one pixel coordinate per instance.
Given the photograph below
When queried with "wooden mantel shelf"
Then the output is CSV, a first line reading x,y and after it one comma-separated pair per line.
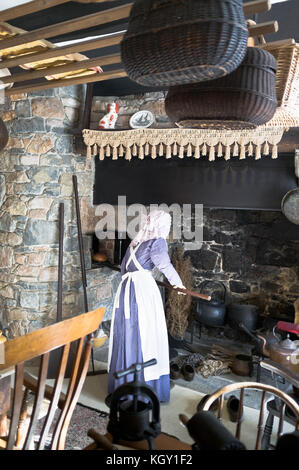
x,y
183,143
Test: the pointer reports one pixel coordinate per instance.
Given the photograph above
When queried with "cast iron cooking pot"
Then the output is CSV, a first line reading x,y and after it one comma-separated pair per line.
x,y
242,313
212,313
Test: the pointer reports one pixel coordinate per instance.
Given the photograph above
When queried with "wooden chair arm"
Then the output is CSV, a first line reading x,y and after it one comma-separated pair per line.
x,y
101,440
31,383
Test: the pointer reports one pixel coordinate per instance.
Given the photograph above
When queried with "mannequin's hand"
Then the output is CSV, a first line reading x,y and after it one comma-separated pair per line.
x,y
180,287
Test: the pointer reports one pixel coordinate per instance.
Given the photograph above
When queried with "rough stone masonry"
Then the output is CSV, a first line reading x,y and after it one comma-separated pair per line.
x,y
36,171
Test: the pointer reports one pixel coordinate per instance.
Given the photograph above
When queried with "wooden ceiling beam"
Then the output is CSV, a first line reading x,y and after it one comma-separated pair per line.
x,y
256,6
90,45
107,15
82,64
249,8
95,19
97,77
263,28
28,8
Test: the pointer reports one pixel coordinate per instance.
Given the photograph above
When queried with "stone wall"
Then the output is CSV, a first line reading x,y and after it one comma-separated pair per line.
x,y
36,168
255,254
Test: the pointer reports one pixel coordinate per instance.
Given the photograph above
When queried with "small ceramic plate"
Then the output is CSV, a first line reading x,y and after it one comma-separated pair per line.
x,y
142,119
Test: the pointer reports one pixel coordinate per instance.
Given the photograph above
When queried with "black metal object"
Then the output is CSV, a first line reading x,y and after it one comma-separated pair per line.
x,y
60,261
131,405
80,242
235,184
82,258
258,350
244,314
55,355
210,434
83,270
211,313
257,341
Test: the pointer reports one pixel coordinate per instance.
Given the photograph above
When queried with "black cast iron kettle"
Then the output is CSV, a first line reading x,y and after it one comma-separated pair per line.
x,y
131,405
212,313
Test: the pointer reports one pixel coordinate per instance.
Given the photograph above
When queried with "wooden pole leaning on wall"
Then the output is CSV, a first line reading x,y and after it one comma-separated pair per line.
x,y
60,262
81,253
82,263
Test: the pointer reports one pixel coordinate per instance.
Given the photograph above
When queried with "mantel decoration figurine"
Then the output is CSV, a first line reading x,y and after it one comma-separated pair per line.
x,y
109,120
142,119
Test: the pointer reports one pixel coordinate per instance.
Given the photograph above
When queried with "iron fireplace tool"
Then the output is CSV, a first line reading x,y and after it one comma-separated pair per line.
x,y
131,405
55,355
83,270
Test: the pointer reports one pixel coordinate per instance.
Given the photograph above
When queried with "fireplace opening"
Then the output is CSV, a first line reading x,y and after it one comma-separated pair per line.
x,y
110,250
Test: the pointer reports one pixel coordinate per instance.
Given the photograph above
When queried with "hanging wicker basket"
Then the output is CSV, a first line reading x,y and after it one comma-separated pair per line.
x,y
171,42
242,100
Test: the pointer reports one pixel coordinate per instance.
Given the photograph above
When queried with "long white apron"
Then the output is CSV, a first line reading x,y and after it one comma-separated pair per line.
x,y
151,318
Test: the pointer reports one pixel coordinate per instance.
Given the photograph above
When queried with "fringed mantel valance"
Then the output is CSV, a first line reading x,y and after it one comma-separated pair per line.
x,y
183,143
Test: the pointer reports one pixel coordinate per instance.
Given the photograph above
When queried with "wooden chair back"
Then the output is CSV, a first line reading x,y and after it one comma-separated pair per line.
x,y
286,400
78,329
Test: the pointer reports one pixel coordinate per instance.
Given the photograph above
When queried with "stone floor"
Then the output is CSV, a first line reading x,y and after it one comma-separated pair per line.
x,y
213,383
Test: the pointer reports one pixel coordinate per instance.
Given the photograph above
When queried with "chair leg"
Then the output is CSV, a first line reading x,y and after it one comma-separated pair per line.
x,y
23,416
3,425
267,432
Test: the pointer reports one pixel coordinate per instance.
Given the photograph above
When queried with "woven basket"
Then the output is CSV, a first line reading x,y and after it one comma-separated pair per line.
x,y
171,42
286,54
242,100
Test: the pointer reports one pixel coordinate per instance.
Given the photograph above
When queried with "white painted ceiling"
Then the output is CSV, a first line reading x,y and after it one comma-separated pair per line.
x,y
4,4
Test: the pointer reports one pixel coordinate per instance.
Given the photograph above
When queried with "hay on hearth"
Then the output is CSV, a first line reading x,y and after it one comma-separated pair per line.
x,y
178,306
210,367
